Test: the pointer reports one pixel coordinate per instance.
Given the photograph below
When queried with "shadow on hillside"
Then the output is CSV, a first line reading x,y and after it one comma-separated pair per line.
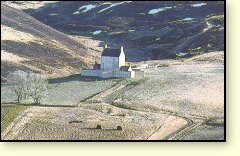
x,y
78,77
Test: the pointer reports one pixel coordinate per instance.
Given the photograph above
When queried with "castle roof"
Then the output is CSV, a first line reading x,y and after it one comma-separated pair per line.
x,y
111,52
124,68
96,66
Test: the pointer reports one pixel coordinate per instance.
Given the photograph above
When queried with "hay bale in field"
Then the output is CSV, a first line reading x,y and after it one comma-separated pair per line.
x,y
74,121
99,127
119,128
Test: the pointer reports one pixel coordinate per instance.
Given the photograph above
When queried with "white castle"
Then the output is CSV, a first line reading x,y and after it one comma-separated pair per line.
x,y
112,65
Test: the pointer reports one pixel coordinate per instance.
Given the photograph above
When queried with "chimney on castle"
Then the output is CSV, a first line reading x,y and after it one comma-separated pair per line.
x,y
121,48
130,67
105,46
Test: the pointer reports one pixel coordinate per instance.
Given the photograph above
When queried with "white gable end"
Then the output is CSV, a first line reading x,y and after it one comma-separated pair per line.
x,y
122,58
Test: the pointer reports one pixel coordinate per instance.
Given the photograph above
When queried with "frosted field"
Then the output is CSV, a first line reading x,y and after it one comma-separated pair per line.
x,y
65,93
206,133
192,90
58,123
195,89
184,100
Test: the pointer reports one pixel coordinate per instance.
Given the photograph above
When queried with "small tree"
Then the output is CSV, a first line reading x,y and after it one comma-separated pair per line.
x,y
38,87
28,84
17,80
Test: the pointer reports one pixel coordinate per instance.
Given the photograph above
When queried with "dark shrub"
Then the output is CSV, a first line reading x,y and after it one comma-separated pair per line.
x,y
99,127
119,127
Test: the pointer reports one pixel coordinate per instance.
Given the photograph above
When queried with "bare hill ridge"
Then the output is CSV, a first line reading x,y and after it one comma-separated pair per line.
x,y
149,30
28,44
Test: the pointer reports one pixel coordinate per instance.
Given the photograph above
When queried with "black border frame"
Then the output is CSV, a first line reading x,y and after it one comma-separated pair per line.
x,y
225,109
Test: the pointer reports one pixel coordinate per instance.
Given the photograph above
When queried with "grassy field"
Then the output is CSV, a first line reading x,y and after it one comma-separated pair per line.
x,y
9,113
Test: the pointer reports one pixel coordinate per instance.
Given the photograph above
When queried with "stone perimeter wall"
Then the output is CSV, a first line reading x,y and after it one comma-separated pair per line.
x,y
90,72
108,74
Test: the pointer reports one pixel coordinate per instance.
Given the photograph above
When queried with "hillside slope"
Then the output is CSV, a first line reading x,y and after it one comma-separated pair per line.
x,y
148,30
30,45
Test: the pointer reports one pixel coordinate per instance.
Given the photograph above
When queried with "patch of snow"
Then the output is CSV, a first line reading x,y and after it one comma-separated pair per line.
x,y
113,5
209,25
155,11
106,3
53,14
97,32
85,8
76,12
188,19
182,54
198,4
